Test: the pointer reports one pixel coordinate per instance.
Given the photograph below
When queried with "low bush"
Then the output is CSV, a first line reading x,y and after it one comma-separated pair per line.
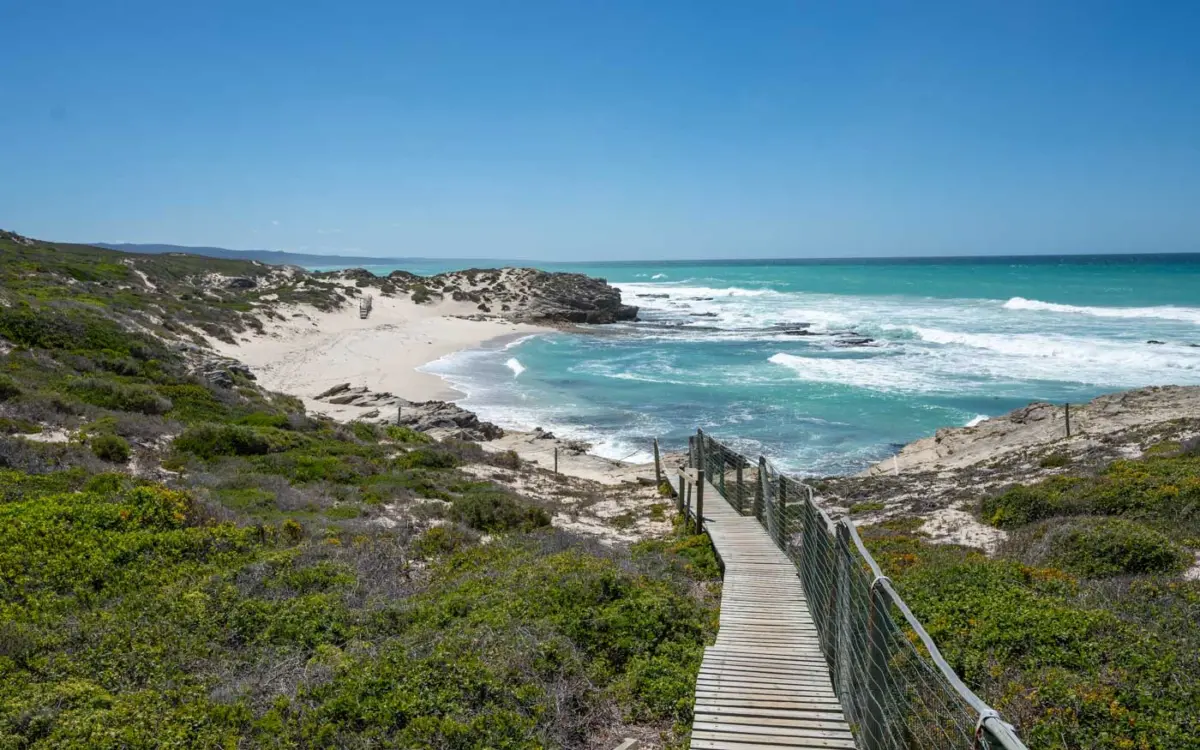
x,y
1054,460
440,540
406,435
426,458
868,507
1024,504
1096,547
211,440
111,448
8,388
365,431
109,394
1071,664
489,508
10,426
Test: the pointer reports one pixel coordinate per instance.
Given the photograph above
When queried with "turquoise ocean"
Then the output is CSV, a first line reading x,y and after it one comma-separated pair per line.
x,y
954,340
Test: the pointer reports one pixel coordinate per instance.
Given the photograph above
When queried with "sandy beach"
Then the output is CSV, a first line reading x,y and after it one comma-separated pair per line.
x,y
311,351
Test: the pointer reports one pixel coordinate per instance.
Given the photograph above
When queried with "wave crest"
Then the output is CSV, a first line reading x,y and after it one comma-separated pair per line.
x,y
1165,312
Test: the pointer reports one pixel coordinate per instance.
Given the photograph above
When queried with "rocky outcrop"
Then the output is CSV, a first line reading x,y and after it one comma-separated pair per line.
x,y
444,418
1041,424
428,416
523,295
574,298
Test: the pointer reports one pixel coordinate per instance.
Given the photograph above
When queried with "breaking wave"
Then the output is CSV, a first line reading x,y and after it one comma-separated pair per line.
x,y
1165,312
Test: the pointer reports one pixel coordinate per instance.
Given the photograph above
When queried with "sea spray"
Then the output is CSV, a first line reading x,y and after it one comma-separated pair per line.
x,y
515,365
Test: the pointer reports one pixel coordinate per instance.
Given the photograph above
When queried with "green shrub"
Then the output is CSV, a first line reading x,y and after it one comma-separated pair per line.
x,y
1019,505
440,540
195,403
71,330
262,419
292,530
365,431
120,396
211,440
8,388
869,507
489,508
1103,547
18,427
1163,486
420,294
427,458
111,448
1054,460
507,460
406,435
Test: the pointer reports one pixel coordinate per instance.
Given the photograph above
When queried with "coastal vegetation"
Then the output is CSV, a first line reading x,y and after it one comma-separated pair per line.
x,y
1080,630
188,560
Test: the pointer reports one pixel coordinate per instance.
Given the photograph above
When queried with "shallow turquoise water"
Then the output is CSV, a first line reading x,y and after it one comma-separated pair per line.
x,y
951,340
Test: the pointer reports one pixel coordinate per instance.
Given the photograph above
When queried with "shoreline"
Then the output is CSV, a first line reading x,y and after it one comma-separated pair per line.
x,y
311,351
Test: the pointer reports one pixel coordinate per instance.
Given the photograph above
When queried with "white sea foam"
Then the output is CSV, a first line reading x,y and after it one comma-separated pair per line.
x,y
674,291
977,420
659,276
1165,312
515,365
874,373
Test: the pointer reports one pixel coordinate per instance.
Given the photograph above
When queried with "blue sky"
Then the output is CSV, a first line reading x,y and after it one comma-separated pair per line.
x,y
605,130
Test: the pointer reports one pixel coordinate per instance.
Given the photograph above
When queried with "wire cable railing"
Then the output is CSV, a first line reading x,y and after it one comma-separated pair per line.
x,y
896,689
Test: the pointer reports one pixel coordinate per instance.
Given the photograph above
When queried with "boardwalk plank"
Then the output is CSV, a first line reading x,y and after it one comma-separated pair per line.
x,y
765,684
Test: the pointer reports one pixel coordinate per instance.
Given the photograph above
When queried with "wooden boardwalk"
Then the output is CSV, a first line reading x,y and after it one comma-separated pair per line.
x,y
764,685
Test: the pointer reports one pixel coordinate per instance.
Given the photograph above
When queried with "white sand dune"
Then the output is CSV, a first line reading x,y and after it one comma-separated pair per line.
x,y
311,351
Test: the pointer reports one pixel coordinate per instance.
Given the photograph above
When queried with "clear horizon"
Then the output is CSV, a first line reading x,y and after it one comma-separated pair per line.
x,y
557,132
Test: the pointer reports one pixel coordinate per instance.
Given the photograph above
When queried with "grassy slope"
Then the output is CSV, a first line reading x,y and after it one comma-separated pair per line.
x,y
239,592
1081,631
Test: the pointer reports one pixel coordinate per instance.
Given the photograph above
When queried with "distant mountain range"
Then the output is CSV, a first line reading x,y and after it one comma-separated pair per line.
x,y
274,257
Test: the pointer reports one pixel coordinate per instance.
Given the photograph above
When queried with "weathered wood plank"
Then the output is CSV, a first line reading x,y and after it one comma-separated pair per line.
x,y
765,684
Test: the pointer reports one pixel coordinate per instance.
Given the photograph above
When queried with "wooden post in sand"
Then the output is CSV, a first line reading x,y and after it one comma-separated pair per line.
x,y
657,466
1067,411
682,489
556,459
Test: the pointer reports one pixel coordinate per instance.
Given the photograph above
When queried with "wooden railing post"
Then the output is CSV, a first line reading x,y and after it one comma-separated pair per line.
x,y
699,501
679,497
691,451
877,666
759,489
741,487
781,514
658,479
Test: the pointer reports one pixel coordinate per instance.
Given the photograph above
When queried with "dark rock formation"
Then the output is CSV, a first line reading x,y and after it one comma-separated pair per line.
x,y
453,421
441,415
221,371
572,298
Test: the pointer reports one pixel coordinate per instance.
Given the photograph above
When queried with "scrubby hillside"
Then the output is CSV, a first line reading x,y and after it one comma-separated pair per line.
x,y
188,560
1059,576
